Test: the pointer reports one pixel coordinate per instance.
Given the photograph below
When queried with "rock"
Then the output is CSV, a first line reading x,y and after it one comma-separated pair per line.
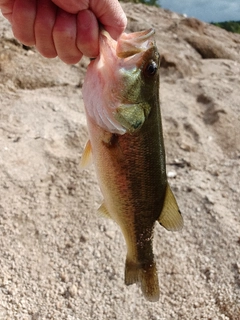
x,y
209,48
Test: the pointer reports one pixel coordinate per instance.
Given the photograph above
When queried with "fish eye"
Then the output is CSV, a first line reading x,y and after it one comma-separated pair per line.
x,y
151,68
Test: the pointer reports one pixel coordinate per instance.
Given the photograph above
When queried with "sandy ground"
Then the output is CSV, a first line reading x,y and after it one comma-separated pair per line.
x,y
58,258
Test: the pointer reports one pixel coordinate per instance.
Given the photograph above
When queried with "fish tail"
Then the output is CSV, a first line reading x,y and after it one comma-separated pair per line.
x,y
146,276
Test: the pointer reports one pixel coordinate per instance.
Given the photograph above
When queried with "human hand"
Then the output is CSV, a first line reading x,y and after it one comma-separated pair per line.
x,y
65,28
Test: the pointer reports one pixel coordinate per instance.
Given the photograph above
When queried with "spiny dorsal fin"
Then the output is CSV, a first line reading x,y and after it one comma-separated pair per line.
x,y
86,159
170,217
104,211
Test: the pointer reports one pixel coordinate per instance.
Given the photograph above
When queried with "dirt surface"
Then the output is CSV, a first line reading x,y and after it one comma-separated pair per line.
x,y
58,258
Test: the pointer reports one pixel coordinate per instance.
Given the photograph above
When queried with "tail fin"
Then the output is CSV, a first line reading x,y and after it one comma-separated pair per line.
x,y
146,276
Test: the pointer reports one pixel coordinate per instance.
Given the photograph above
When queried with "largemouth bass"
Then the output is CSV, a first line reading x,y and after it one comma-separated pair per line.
x,y
121,97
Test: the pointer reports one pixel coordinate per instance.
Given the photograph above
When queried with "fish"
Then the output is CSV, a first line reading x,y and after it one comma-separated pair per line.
x,y
121,99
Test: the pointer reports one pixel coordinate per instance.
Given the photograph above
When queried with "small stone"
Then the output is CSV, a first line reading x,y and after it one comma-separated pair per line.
x,y
209,199
72,290
171,174
185,147
64,277
110,234
30,53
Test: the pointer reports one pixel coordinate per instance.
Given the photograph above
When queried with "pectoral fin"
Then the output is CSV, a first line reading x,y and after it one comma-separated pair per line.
x,y
104,211
86,159
170,217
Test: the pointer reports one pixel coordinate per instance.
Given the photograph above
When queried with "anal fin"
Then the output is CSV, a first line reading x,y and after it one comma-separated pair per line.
x,y
170,217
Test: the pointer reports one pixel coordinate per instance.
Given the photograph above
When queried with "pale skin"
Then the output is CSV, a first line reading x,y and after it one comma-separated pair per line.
x,y
68,29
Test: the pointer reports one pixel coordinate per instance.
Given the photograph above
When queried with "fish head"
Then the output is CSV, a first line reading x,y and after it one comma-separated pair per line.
x,y
122,82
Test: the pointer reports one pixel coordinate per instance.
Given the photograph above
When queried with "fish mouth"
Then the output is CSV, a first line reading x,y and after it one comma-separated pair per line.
x,y
131,44
128,44
138,37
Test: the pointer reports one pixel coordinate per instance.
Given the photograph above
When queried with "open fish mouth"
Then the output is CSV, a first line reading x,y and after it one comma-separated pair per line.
x,y
139,36
127,46
130,44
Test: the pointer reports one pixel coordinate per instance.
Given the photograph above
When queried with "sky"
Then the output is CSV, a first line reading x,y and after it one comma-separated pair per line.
x,y
205,10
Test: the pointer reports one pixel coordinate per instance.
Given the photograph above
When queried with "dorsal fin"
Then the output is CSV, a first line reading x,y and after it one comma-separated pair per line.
x,y
170,217
86,159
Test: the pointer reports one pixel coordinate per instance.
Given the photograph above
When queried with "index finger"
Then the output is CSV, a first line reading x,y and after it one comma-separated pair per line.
x,y
108,12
